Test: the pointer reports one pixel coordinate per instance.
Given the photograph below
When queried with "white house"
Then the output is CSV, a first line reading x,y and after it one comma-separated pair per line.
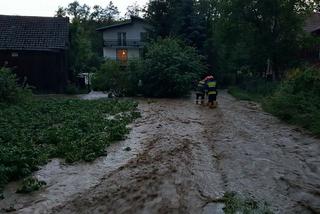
x,y
124,40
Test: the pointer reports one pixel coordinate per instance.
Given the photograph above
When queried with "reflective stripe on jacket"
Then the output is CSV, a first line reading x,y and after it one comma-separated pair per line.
x,y
201,86
211,87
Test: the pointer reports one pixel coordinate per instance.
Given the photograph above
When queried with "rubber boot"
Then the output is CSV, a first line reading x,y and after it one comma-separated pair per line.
x,y
215,104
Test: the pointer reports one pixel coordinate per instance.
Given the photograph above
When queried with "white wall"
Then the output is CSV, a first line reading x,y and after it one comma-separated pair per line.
x,y
110,53
133,53
133,31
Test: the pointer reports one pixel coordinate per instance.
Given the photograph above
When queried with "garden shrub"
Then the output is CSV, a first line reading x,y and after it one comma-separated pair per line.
x,y
71,89
297,100
134,72
122,80
170,68
108,76
10,91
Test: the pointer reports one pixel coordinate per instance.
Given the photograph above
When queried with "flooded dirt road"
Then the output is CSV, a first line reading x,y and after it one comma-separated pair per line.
x,y
184,157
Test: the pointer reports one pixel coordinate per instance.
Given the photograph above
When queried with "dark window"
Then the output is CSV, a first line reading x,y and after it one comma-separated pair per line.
x,y
122,38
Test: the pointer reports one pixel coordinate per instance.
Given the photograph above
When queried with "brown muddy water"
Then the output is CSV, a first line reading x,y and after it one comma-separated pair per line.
x,y
184,157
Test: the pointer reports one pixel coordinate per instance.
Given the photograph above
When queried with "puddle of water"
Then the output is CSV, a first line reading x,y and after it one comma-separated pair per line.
x,y
93,95
216,208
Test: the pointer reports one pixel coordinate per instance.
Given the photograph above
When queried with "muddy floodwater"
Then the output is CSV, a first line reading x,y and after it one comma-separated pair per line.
x,y
183,158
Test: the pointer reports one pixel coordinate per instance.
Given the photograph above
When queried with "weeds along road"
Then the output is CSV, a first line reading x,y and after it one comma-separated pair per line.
x,y
191,155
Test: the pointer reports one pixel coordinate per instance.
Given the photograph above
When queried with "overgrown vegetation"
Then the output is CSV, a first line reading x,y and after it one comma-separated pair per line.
x,y
236,204
30,184
170,68
32,132
9,90
121,80
35,130
297,100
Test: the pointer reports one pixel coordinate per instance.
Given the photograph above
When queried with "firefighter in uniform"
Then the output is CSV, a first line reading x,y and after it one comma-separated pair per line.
x,y
211,88
200,91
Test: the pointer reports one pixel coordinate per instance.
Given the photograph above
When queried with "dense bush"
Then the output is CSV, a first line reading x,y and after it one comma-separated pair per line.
x,y
39,129
9,89
170,68
298,99
107,76
135,72
122,80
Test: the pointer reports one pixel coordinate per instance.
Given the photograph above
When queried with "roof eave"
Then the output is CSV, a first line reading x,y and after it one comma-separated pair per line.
x,y
128,22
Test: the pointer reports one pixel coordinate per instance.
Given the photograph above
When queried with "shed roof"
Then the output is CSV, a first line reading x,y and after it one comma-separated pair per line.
x,y
312,23
33,33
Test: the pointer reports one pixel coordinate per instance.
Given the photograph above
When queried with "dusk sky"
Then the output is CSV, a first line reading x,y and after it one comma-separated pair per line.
x,y
48,7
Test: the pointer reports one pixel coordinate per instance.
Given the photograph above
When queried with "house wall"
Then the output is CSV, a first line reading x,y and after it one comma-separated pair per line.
x,y
133,53
111,53
45,70
133,31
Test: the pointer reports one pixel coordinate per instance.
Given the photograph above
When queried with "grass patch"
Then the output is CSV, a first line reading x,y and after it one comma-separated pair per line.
x,y
30,184
34,131
297,101
242,94
236,204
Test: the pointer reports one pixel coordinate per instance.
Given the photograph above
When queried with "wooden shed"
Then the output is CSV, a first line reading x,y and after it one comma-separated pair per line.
x,y
35,48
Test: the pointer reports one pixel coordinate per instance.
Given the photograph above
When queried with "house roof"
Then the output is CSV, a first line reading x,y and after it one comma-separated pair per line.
x,y
123,23
33,33
312,23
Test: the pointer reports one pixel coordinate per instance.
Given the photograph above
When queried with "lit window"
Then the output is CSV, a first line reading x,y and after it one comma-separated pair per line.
x,y
122,55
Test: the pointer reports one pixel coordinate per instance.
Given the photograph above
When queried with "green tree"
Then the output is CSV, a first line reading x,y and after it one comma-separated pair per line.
x,y
133,10
158,16
171,68
257,35
111,12
80,49
177,18
61,12
77,11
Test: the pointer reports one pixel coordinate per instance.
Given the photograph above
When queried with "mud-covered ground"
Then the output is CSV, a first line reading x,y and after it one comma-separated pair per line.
x,y
184,157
